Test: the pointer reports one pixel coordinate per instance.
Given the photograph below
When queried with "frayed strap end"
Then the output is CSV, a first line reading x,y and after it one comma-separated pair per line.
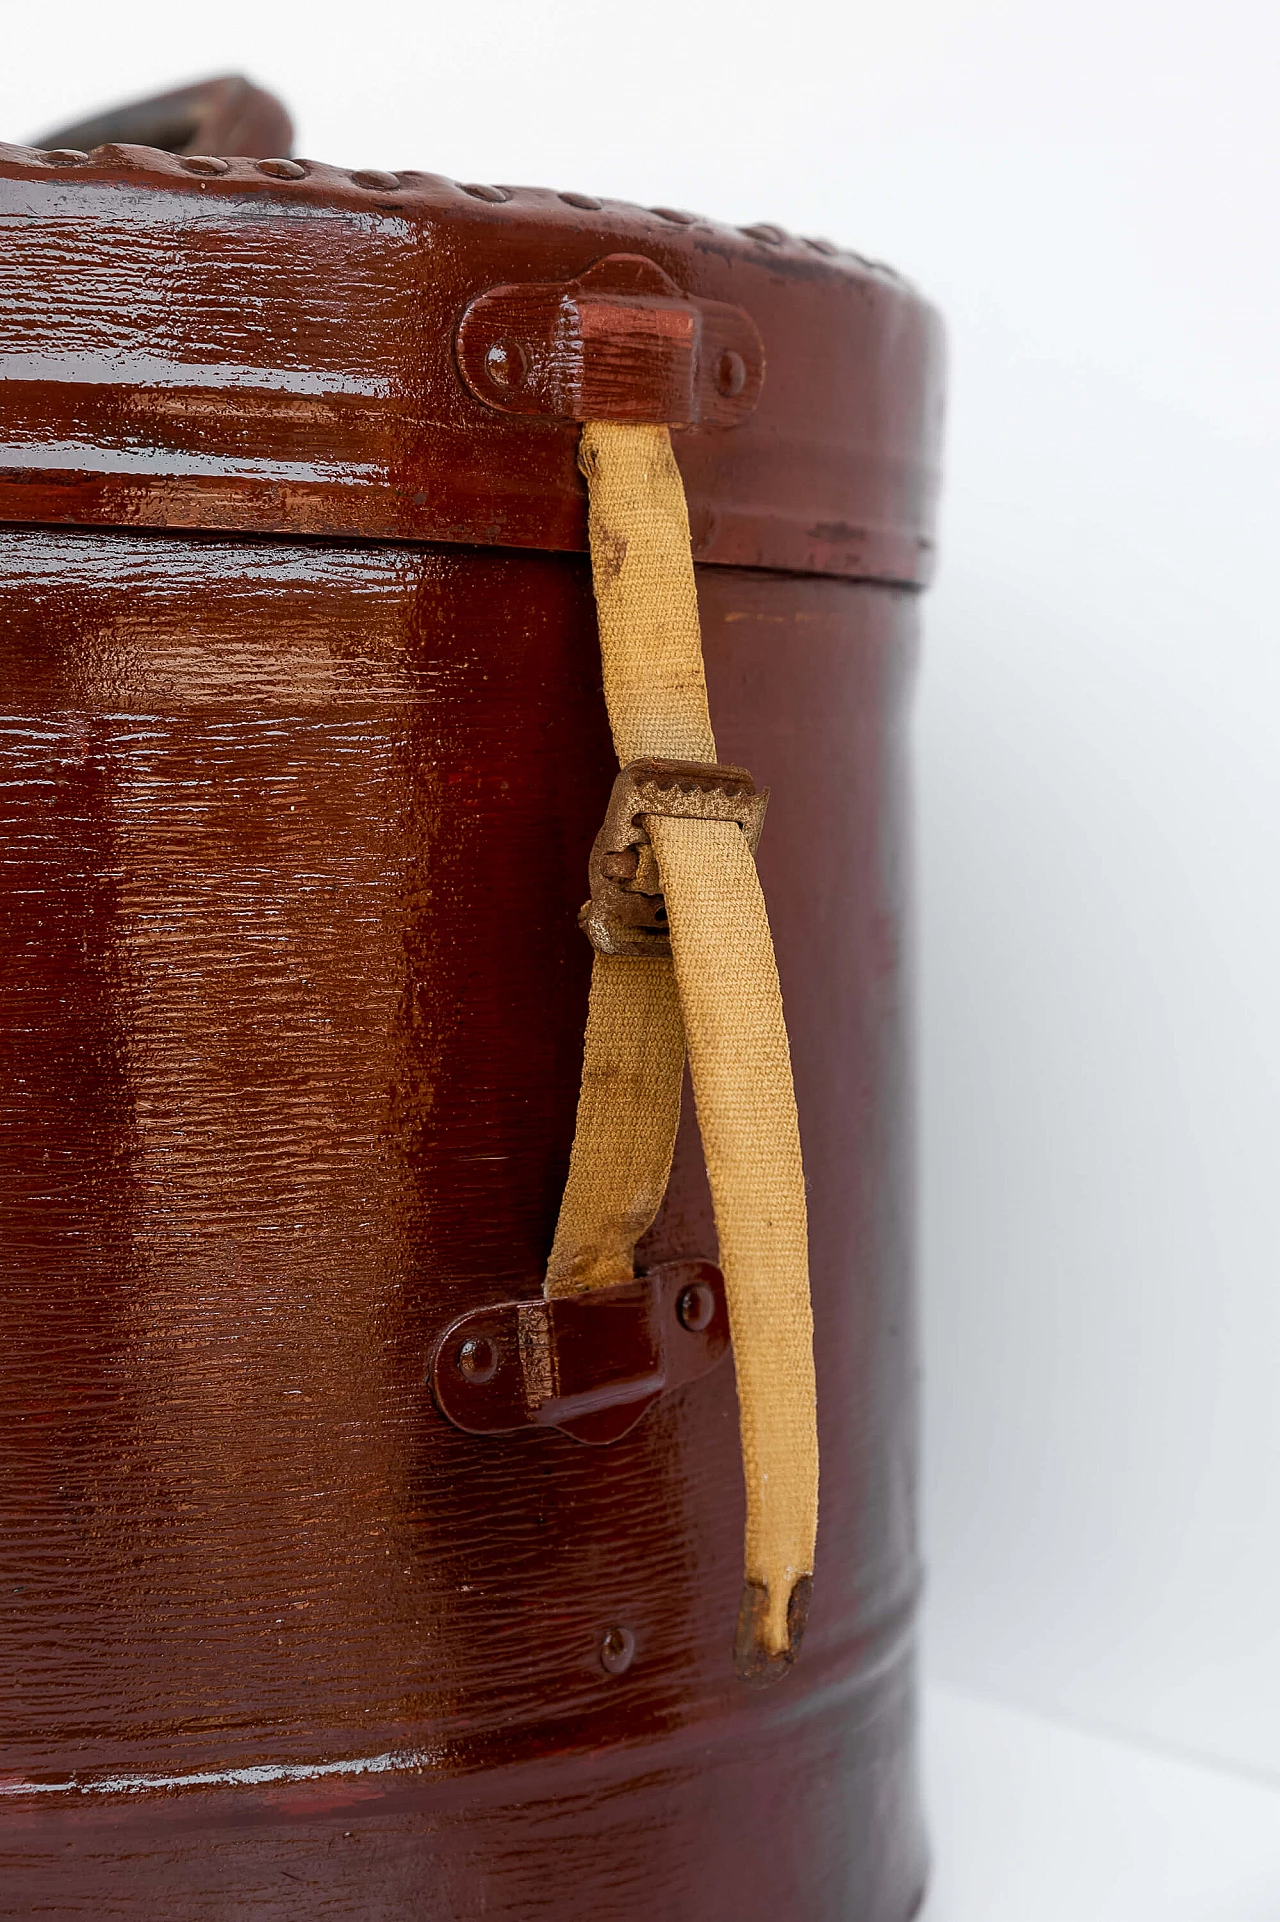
x,y
756,1657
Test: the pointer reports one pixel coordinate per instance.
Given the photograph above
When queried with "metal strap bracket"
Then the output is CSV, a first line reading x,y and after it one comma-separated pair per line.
x,y
590,1364
622,343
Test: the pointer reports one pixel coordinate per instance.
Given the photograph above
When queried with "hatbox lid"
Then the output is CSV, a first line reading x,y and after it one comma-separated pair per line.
x,y
277,346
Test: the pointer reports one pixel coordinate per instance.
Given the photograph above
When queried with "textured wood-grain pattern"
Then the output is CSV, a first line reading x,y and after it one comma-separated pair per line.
x,y
245,351
292,838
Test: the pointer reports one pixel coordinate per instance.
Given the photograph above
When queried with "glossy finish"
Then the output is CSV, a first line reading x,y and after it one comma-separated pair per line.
x,y
276,354
281,1100
294,834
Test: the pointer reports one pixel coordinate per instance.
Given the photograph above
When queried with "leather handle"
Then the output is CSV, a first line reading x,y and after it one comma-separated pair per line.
x,y
226,115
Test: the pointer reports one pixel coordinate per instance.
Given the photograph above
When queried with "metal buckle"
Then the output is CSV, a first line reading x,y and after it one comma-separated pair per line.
x,y
590,1363
626,913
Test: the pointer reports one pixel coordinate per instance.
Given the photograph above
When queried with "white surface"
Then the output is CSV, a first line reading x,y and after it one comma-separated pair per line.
x,y
1100,837
1089,191
1037,1823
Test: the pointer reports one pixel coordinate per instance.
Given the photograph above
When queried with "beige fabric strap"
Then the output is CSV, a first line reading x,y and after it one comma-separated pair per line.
x,y
628,1112
721,992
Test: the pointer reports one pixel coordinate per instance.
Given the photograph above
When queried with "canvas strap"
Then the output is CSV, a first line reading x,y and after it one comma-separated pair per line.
x,y
718,996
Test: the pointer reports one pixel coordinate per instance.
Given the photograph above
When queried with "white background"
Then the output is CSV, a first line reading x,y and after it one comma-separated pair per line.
x,y
1090,193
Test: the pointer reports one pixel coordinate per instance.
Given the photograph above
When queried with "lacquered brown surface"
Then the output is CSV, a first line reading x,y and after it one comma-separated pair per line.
x,y
294,836
271,348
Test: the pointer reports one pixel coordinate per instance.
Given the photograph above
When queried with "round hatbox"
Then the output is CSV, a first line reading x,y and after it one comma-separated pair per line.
x,y
302,755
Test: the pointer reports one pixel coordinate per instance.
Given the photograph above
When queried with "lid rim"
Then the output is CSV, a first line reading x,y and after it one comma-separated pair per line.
x,y
180,350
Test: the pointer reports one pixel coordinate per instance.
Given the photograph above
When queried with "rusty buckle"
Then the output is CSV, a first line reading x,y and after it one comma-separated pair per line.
x,y
590,1364
626,913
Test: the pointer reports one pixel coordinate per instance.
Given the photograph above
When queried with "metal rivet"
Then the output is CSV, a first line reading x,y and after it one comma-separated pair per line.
x,y
374,177
65,156
478,1358
506,364
479,190
764,230
282,169
676,214
821,246
205,163
696,1307
617,1651
586,201
731,373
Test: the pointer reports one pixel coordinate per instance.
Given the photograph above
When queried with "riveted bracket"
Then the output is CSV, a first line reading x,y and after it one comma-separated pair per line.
x,y
622,343
591,1363
626,913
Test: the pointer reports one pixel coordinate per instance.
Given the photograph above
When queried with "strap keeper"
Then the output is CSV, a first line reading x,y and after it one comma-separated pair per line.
x,y
627,913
